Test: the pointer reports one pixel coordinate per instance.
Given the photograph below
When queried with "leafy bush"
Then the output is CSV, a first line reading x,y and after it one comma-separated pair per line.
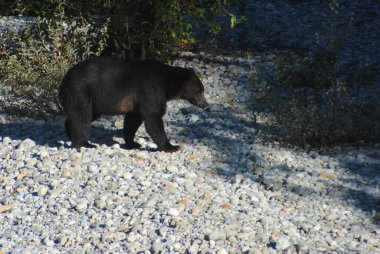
x,y
34,62
139,27
162,27
314,97
312,101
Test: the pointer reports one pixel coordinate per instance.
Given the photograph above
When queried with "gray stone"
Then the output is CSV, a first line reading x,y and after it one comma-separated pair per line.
x,y
6,141
173,212
157,246
81,204
42,191
215,108
48,242
193,249
331,217
282,243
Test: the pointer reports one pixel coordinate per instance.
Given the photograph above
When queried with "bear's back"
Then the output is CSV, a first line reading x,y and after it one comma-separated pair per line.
x,y
102,70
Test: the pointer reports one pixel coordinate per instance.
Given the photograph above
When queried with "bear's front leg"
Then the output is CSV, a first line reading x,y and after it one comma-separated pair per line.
x,y
155,128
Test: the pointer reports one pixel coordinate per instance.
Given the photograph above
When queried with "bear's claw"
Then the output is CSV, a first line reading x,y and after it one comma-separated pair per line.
x,y
169,149
133,145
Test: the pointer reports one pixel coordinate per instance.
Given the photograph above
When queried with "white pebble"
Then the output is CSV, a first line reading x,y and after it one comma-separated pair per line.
x,y
173,212
42,191
282,243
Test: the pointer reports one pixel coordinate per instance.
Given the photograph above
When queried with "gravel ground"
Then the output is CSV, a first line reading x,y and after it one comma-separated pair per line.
x,y
225,191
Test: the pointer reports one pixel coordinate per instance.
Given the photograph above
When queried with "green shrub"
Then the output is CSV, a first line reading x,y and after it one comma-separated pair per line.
x,y
311,104
139,27
310,100
33,63
162,27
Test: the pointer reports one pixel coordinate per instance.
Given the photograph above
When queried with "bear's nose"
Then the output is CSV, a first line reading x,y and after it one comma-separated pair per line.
x,y
205,105
202,102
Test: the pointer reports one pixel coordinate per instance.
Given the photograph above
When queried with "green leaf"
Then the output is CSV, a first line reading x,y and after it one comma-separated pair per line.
x,y
233,20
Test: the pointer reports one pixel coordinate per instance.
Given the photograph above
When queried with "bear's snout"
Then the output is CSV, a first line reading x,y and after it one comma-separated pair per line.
x,y
199,101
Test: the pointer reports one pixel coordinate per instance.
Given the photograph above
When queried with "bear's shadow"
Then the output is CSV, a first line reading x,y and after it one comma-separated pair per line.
x,y
55,136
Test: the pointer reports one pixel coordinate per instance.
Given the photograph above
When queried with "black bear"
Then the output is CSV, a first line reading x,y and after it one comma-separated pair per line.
x,y
139,89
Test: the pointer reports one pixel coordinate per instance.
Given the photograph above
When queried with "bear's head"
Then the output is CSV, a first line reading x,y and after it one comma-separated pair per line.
x,y
193,90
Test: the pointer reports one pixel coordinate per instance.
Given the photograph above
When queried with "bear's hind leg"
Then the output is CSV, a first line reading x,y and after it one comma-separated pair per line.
x,y
132,122
79,116
95,117
77,131
67,128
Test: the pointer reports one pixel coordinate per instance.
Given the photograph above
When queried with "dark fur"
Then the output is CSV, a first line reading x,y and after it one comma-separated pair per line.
x,y
138,89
